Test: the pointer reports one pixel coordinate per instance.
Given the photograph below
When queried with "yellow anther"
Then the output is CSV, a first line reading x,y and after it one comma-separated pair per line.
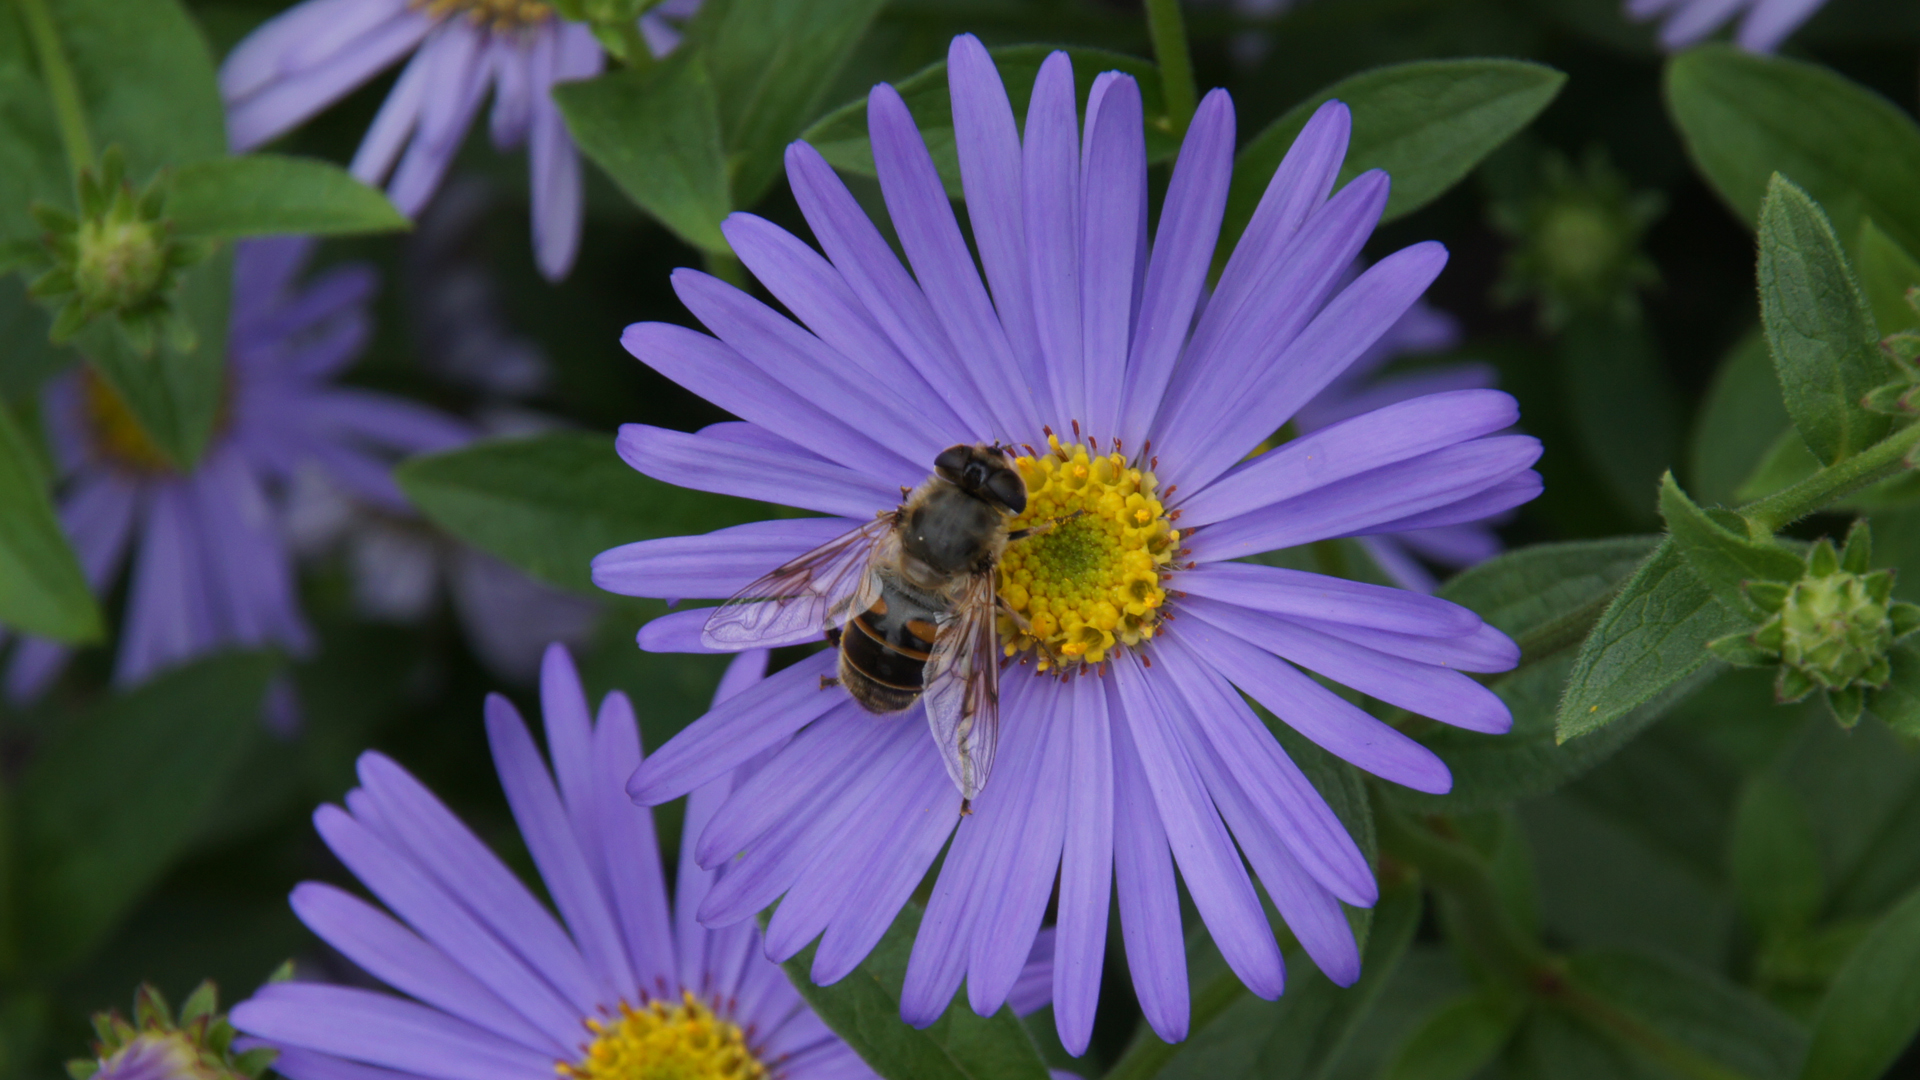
x,y
687,1041
493,14
1091,577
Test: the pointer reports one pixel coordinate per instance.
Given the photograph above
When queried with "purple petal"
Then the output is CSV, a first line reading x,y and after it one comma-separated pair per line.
x,y
704,463
297,1064
555,848
929,234
1496,499
713,566
1278,791
815,760
396,956
558,193
457,85
1388,499
685,632
1347,449
1486,649
1215,877
818,296
169,617
1296,593
1050,196
883,285
384,1030
1144,886
735,730
1182,253
629,853
717,373
395,123
1769,22
988,146
1113,238
1034,989
1330,721
1436,692
1086,865
287,85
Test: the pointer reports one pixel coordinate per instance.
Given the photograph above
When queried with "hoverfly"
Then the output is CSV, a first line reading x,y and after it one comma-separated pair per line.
x,y
910,600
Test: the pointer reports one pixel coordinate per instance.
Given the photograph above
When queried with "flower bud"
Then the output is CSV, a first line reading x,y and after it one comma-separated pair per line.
x,y
1576,240
156,1046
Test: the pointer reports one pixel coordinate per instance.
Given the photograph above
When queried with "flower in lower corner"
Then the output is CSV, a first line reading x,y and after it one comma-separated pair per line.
x,y
1125,747
1764,24
199,1045
624,983
315,53
211,565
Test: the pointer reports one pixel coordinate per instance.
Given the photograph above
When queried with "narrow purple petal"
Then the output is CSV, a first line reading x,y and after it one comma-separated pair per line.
x,y
458,84
715,565
1086,865
1112,236
816,759
1486,649
1513,491
684,632
735,730
384,1030
629,854
1034,989
1215,877
1050,196
704,463
1333,723
1297,593
301,86
393,126
1182,253
1144,885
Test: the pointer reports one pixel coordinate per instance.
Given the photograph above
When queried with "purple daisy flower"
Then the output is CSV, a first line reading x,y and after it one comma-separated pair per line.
x,y
621,985
212,567
1081,347
310,56
1764,24
1362,388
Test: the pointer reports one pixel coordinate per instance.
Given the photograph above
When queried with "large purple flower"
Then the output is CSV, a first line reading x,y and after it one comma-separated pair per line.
x,y
622,985
1081,346
1364,387
1764,24
211,566
308,57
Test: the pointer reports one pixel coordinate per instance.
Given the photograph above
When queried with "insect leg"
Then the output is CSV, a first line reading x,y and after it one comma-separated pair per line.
x,y
1043,527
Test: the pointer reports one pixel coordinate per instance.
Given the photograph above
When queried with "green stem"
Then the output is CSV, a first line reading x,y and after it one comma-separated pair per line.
x,y
1176,64
61,85
639,55
1870,466
1478,916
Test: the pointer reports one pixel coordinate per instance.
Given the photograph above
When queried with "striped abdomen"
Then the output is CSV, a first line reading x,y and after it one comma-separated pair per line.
x,y
884,649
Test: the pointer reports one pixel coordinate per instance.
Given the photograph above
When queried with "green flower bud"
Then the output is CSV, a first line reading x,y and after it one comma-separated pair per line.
x,y
1576,240
196,1046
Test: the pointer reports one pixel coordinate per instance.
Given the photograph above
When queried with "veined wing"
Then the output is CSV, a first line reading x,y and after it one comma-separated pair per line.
x,y
963,686
800,599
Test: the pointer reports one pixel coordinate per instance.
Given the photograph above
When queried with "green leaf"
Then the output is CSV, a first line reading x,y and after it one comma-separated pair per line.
x,y
1825,348
657,134
864,1009
1698,1018
1872,1010
1721,557
1457,1040
1745,117
1648,643
1427,123
550,503
841,135
42,590
1898,702
1546,597
1739,423
1886,273
772,63
1775,858
275,195
107,806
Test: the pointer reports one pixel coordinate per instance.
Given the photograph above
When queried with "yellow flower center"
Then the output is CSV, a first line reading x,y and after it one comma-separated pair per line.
x,y
666,1042
497,14
1094,576
115,431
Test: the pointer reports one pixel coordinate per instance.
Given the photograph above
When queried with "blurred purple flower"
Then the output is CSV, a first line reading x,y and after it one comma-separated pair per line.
x,y
310,56
211,565
1363,388
1081,326
1764,24
494,985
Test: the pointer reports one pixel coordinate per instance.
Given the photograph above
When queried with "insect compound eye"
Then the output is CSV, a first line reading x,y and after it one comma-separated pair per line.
x,y
951,462
1009,489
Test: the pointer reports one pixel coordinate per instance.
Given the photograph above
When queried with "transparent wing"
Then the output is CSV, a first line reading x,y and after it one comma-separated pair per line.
x,y
963,686
801,598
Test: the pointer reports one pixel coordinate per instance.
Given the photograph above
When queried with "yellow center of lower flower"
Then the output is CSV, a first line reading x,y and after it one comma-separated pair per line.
x,y
660,1041
115,432
1094,576
497,14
